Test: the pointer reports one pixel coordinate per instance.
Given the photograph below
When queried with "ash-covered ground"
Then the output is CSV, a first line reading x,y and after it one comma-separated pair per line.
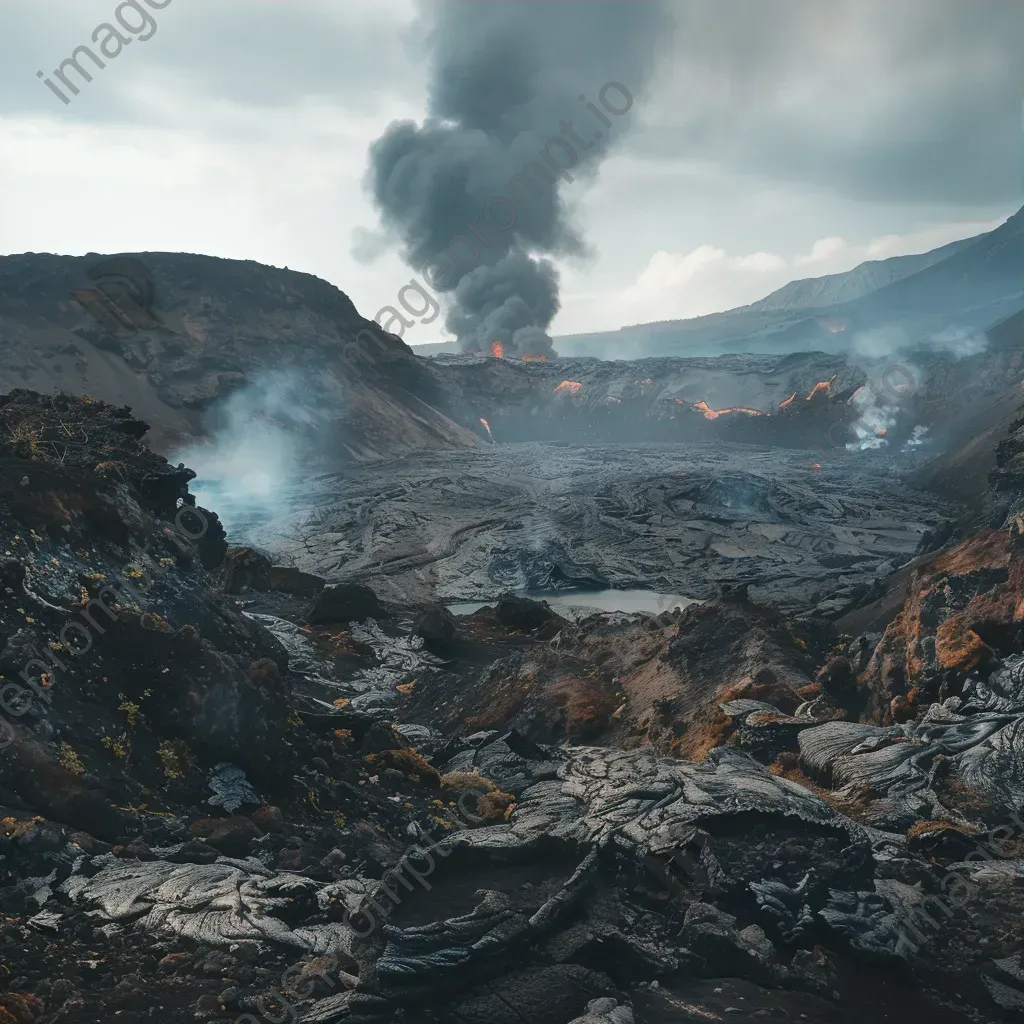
x,y
680,519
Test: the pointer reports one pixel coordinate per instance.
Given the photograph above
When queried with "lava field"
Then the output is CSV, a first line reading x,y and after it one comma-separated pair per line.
x,y
803,534
254,768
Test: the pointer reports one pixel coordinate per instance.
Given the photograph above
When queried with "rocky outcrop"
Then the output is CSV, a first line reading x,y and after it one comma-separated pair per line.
x,y
963,612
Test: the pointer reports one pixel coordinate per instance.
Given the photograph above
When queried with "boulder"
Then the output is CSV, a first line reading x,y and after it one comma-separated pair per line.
x,y
245,568
289,580
435,624
231,836
524,614
343,603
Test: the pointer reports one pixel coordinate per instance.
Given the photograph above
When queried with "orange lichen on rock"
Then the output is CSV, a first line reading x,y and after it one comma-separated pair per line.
x,y
957,646
962,609
987,549
20,1008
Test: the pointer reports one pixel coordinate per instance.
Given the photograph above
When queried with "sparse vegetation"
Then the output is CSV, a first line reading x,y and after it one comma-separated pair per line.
x,y
70,761
175,759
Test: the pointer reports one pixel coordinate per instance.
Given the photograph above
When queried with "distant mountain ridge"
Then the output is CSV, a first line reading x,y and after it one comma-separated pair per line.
x,y
816,292
967,285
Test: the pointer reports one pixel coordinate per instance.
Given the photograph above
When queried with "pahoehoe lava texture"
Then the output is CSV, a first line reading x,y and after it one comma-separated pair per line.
x,y
551,517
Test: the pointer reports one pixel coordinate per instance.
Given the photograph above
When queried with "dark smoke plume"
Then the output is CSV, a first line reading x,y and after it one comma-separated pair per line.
x,y
486,169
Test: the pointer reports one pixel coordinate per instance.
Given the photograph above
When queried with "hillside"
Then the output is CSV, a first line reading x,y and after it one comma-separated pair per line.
x,y
818,292
171,333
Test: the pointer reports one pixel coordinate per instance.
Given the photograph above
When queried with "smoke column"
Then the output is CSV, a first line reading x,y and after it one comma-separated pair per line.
x,y
506,79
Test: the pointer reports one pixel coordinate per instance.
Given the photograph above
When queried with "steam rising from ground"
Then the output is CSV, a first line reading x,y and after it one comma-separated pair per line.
x,y
892,359
505,79
895,343
876,418
257,437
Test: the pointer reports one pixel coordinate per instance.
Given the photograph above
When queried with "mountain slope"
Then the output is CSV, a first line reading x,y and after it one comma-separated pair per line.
x,y
968,285
988,272
818,292
171,333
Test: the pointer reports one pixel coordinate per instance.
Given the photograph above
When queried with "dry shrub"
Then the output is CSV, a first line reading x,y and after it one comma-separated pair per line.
x,y
787,766
266,675
928,827
467,782
854,803
809,692
708,730
963,797
588,707
411,764
495,806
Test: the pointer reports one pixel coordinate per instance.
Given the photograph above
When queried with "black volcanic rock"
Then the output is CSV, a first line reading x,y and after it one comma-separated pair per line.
x,y
525,614
344,602
597,875
435,624
245,567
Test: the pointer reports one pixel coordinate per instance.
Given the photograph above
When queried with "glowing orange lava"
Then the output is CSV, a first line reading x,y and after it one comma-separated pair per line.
x,y
487,427
788,401
534,359
497,350
568,387
822,385
713,414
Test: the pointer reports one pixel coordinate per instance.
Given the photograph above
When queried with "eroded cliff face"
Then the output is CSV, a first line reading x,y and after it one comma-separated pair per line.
x,y
173,334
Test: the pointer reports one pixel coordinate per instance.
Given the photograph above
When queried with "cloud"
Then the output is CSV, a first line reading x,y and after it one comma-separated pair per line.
x,y
761,262
917,101
248,54
824,251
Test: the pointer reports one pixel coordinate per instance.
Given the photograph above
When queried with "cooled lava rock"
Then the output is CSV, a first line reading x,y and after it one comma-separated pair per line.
x,y
435,624
209,813
525,615
245,568
344,602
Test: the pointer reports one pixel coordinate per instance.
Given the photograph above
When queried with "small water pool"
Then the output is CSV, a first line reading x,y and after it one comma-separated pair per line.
x,y
579,603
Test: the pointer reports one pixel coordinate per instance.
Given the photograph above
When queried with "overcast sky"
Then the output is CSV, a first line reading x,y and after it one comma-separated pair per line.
x,y
778,139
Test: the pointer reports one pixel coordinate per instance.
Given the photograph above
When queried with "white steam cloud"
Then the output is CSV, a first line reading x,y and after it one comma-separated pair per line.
x,y
257,438
876,418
